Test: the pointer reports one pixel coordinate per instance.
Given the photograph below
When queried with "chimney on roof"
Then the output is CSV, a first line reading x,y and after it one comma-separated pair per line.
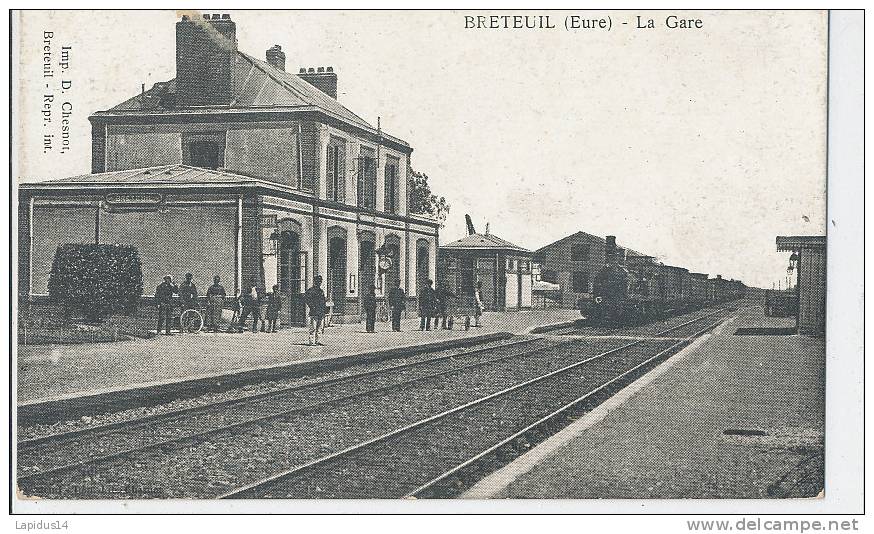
x,y
324,79
205,54
276,57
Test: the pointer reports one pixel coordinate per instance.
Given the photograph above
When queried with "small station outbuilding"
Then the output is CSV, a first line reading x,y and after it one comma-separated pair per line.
x,y
503,268
809,262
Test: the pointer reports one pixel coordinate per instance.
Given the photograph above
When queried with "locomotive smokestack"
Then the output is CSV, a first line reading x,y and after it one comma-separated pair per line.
x,y
610,250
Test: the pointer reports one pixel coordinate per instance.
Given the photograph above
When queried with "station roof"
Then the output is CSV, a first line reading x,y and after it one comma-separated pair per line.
x,y
794,242
580,235
175,174
484,242
178,176
262,87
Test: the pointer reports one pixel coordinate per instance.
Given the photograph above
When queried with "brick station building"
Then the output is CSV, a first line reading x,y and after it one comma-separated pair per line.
x,y
573,261
238,168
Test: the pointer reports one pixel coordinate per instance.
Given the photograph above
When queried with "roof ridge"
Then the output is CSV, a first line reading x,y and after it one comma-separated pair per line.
x,y
490,239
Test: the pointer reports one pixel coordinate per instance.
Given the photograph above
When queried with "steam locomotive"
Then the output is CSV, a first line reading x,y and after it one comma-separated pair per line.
x,y
636,290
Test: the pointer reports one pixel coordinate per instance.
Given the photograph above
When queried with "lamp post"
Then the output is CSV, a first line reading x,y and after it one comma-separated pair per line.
x,y
793,263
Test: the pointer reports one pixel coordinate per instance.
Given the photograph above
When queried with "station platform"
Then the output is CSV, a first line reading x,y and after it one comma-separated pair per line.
x,y
731,416
57,372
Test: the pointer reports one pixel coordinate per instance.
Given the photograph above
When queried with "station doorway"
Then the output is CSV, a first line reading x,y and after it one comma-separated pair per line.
x,y
292,278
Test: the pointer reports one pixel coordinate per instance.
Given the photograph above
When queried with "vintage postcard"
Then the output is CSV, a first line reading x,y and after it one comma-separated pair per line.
x,y
421,256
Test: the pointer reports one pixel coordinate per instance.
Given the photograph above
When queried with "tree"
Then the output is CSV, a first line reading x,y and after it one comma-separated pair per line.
x,y
423,201
96,281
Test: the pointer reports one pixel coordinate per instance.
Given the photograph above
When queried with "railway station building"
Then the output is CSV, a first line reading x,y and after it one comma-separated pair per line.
x,y
240,169
573,261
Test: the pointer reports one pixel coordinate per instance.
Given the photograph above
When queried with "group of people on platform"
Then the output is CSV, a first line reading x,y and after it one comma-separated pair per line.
x,y
264,308
434,304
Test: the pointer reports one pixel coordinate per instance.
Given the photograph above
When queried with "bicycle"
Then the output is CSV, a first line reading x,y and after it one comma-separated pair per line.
x,y
191,321
382,312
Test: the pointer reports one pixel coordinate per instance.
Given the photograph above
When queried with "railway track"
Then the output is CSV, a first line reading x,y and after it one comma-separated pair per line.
x,y
26,444
371,469
581,327
250,409
85,455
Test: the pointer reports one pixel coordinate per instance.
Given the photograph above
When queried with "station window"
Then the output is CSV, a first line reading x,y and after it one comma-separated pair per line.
x,y
336,177
392,186
580,252
580,282
367,178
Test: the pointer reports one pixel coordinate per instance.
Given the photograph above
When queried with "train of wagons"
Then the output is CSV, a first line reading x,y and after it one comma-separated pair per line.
x,y
636,290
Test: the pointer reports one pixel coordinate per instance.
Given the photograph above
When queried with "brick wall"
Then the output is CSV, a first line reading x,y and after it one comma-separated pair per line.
x,y
557,258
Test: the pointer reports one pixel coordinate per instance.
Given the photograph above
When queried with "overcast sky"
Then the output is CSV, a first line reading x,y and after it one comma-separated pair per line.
x,y
696,146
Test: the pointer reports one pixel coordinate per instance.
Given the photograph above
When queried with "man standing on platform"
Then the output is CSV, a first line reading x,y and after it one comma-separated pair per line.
x,y
426,305
317,304
164,301
442,296
397,300
250,307
215,297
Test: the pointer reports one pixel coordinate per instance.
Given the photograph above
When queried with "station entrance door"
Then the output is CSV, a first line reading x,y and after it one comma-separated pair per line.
x,y
292,279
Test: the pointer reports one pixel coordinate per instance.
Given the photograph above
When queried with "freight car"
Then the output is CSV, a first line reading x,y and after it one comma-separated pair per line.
x,y
637,289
